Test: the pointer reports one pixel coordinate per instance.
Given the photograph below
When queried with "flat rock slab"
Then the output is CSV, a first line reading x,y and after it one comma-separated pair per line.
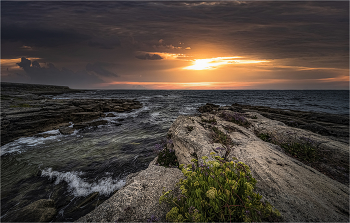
x,y
138,200
299,192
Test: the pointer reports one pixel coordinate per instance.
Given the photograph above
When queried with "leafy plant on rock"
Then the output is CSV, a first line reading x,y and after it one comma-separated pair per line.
x,y
217,191
166,155
189,128
225,140
306,150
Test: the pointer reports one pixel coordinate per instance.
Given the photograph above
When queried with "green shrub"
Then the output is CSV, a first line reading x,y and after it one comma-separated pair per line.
x,y
265,137
21,106
219,137
217,191
305,151
189,128
166,156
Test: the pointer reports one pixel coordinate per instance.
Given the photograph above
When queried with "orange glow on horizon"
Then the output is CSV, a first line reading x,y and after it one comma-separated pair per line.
x,y
214,63
186,85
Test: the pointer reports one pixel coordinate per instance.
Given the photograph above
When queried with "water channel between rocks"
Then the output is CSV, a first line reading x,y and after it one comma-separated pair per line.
x,y
81,170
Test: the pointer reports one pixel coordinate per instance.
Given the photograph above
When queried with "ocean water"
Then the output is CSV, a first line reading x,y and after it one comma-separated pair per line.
x,y
68,168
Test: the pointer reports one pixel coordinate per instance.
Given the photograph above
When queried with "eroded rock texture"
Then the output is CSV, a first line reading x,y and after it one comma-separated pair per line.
x,y
298,191
138,200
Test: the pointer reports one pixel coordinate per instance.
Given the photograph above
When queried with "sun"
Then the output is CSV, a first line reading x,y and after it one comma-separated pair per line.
x,y
201,64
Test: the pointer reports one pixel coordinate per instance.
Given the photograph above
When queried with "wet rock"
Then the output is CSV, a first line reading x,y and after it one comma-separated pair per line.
x,y
80,125
89,198
208,108
138,200
89,124
298,191
45,135
66,130
97,123
110,115
39,211
44,115
225,108
83,116
314,127
334,126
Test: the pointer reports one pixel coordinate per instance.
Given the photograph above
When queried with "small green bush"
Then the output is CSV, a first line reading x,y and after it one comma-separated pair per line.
x,y
21,106
217,191
219,137
265,137
189,128
305,151
166,157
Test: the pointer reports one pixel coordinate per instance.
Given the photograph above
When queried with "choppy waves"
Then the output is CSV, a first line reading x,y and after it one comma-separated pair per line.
x,y
79,187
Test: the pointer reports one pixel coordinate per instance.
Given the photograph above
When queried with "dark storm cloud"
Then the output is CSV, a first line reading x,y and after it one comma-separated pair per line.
x,y
99,69
314,34
274,29
53,75
41,37
148,56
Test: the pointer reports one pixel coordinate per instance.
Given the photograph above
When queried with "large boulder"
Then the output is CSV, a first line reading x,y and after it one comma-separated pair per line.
x,y
298,191
39,211
138,200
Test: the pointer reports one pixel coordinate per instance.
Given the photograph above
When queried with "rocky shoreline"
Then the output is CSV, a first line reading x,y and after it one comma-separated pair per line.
x,y
333,126
26,112
300,192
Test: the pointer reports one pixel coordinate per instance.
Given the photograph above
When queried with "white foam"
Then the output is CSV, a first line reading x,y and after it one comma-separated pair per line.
x,y
125,114
53,132
20,144
81,188
155,114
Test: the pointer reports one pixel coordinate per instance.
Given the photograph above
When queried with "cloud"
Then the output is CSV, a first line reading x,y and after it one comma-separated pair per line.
x,y
302,34
98,69
148,56
41,37
52,75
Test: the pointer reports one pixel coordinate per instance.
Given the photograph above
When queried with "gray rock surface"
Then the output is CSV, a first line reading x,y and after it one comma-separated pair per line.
x,y
39,211
138,200
335,153
334,126
298,191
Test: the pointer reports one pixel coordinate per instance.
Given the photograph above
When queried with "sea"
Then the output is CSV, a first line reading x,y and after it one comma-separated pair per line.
x,y
81,170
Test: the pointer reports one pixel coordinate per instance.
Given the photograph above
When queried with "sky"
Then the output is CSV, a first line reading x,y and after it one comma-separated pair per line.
x,y
191,45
